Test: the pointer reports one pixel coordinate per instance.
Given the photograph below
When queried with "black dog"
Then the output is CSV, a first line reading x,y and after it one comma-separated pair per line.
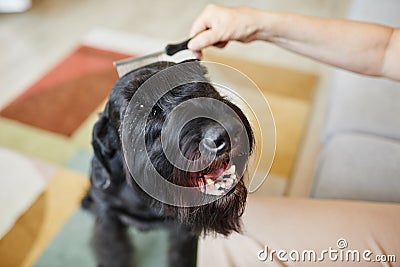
x,y
116,199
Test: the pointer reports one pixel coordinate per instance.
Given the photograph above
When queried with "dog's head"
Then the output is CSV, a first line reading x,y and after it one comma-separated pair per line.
x,y
213,136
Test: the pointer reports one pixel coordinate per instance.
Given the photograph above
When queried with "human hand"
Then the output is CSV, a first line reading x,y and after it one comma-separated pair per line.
x,y
218,25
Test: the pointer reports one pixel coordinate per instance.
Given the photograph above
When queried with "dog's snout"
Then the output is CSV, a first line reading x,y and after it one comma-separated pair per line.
x,y
217,139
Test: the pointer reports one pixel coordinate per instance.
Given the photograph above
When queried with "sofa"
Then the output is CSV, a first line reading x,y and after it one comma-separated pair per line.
x,y
360,155
355,193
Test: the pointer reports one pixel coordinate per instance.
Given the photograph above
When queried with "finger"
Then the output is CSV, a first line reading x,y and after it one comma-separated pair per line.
x,y
202,22
204,39
197,28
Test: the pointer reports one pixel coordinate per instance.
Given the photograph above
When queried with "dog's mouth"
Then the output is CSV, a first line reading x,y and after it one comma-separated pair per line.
x,y
219,181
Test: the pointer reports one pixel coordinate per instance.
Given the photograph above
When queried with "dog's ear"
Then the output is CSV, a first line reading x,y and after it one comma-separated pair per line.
x,y
107,154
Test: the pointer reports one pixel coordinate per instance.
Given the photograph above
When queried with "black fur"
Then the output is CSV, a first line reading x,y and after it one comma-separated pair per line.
x,y
118,202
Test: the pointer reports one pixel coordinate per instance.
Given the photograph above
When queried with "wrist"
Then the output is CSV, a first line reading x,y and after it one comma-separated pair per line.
x,y
268,25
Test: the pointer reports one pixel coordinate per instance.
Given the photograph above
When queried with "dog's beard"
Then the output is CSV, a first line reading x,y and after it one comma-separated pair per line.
x,y
220,216
225,204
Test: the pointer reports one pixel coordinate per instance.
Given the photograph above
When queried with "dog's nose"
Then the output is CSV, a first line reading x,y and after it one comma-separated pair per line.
x,y
216,141
216,138
217,145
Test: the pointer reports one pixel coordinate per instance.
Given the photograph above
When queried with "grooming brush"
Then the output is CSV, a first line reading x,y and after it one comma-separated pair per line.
x,y
172,52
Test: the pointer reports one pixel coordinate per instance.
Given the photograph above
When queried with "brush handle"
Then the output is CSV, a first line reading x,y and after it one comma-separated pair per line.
x,y
172,49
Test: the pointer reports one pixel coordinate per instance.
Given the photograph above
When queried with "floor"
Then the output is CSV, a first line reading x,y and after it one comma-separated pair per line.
x,y
32,42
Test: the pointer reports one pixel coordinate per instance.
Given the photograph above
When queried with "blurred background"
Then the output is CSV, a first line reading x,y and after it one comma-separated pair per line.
x,y
34,40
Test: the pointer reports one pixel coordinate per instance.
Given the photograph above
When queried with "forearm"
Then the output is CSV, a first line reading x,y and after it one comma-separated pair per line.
x,y
365,48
